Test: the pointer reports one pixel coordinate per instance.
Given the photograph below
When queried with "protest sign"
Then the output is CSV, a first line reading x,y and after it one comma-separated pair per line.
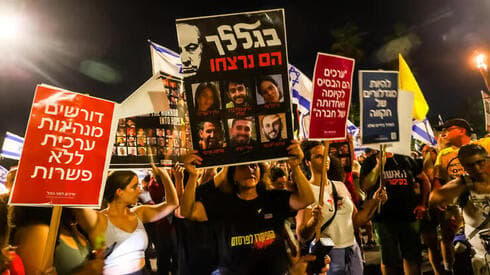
x,y
66,150
341,149
332,86
486,108
378,95
162,138
236,81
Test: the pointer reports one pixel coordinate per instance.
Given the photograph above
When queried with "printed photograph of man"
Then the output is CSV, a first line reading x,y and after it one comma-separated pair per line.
x,y
242,131
131,131
141,151
238,93
160,132
141,141
190,47
121,132
211,135
121,151
150,132
121,141
131,141
272,127
131,151
206,96
269,89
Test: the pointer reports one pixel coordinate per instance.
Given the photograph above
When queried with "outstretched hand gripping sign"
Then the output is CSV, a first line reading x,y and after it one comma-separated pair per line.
x,y
65,153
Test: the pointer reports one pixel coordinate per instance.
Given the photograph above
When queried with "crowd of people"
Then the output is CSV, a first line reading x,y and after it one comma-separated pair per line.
x,y
269,217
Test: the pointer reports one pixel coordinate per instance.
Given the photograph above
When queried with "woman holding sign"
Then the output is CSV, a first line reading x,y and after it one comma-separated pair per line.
x,y
250,220
120,228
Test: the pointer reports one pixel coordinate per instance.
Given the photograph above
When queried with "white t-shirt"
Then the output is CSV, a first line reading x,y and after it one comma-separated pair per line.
x,y
341,230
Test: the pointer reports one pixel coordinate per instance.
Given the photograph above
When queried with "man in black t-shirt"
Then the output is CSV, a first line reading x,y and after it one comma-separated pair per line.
x,y
396,224
249,221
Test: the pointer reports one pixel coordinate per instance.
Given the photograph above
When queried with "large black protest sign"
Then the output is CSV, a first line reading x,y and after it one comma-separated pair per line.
x,y
236,82
379,107
162,138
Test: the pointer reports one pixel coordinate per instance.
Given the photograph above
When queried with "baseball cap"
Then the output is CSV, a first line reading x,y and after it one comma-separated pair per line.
x,y
457,122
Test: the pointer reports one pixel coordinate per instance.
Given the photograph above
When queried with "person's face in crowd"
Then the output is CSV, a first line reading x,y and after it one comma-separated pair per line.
x,y
453,134
190,48
241,132
208,135
247,176
205,100
317,159
477,166
237,93
269,91
280,183
131,192
272,127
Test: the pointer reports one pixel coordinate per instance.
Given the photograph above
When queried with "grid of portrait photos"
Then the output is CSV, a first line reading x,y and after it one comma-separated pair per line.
x,y
240,116
163,137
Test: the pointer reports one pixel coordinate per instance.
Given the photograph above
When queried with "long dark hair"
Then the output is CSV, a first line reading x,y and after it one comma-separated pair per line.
x,y
207,85
260,185
117,180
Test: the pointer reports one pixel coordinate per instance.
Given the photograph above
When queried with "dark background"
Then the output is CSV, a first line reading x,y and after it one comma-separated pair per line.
x,y
100,47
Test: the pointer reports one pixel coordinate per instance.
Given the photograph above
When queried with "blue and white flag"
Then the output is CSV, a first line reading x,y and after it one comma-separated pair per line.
x,y
3,178
12,146
422,131
165,60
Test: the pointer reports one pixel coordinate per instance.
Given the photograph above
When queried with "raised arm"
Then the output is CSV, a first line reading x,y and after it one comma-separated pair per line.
x,y
152,213
369,208
190,208
448,193
425,191
368,181
303,195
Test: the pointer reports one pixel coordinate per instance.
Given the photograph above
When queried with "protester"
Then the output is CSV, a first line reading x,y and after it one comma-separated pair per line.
x,y
338,212
455,133
472,191
396,225
118,220
10,262
249,220
71,254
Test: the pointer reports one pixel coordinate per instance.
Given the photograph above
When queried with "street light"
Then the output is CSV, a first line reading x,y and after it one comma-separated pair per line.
x,y
481,64
10,26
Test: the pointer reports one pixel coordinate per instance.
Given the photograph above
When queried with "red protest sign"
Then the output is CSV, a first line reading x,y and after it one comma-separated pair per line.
x,y
65,152
332,86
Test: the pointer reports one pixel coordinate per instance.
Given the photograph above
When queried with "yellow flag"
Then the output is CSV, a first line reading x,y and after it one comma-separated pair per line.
x,y
408,83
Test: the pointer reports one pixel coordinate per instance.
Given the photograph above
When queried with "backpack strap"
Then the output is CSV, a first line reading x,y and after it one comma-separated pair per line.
x,y
335,200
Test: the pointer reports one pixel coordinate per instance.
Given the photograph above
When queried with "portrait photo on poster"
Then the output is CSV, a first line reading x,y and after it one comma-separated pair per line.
x,y
270,89
272,127
238,93
211,134
242,131
206,97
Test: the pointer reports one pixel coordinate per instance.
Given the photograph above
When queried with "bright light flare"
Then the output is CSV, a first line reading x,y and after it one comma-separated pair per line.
x,y
481,61
10,26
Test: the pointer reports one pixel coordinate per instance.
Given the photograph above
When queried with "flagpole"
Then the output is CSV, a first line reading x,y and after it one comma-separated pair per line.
x,y
323,180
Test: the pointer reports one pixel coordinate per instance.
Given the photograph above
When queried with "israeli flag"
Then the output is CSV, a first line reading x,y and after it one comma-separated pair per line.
x,y
165,60
3,177
12,146
422,131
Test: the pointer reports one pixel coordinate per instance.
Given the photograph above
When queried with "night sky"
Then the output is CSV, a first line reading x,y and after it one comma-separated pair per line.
x,y
100,47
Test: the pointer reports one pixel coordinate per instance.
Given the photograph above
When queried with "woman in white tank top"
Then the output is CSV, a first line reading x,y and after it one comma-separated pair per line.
x,y
120,229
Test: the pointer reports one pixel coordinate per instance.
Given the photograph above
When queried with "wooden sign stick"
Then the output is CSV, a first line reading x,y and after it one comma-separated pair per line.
x,y
324,179
52,235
